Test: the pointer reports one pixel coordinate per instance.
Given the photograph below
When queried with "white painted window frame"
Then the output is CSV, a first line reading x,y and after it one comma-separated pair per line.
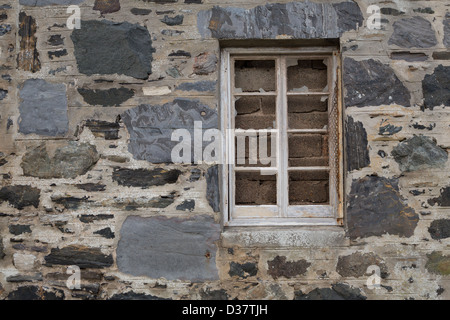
x,y
281,214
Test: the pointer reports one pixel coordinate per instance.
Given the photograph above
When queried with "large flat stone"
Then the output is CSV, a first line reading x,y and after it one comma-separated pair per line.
x,y
43,108
280,267
106,47
418,153
151,127
375,207
212,187
20,196
446,23
372,83
440,229
110,97
69,161
356,264
415,32
81,256
28,56
36,293
107,6
356,145
436,88
170,248
299,20
144,178
438,263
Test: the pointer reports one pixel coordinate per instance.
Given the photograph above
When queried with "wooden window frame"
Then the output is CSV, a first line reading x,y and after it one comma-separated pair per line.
x,y
262,215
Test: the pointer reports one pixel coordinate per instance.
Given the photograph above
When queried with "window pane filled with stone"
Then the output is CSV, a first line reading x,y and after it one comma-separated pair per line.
x,y
255,112
308,150
307,112
309,188
255,149
255,76
306,76
254,188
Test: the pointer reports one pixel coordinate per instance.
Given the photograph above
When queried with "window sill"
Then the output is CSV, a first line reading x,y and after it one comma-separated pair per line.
x,y
289,236
280,222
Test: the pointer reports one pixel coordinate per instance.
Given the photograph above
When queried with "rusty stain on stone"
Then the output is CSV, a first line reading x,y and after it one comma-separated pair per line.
x,y
107,6
28,57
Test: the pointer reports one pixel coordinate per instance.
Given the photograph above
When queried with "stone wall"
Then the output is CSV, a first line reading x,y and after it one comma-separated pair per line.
x,y
86,117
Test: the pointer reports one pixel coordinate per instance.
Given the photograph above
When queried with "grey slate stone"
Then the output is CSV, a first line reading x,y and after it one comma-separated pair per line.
x,y
144,178
43,108
279,267
110,97
140,12
438,263
2,253
440,229
205,63
391,12
188,205
338,291
25,278
372,83
375,207
36,293
443,200
243,270
356,264
69,161
208,294
446,23
151,127
20,196
106,233
173,21
409,56
356,145
81,256
349,16
17,229
301,20
212,187
436,87
415,32
106,47
200,86
131,295
43,3
389,130
104,129
417,153
3,94
172,248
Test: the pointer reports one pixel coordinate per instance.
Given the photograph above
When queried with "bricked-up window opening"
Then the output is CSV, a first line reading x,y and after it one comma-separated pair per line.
x,y
285,102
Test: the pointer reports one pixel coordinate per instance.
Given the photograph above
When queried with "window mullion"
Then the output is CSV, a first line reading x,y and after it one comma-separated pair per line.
x,y
283,185
231,137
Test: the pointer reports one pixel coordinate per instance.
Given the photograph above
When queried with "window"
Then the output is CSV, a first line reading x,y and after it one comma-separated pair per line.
x,y
283,150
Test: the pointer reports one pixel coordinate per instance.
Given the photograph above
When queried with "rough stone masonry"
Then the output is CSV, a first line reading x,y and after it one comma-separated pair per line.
x,y
86,177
